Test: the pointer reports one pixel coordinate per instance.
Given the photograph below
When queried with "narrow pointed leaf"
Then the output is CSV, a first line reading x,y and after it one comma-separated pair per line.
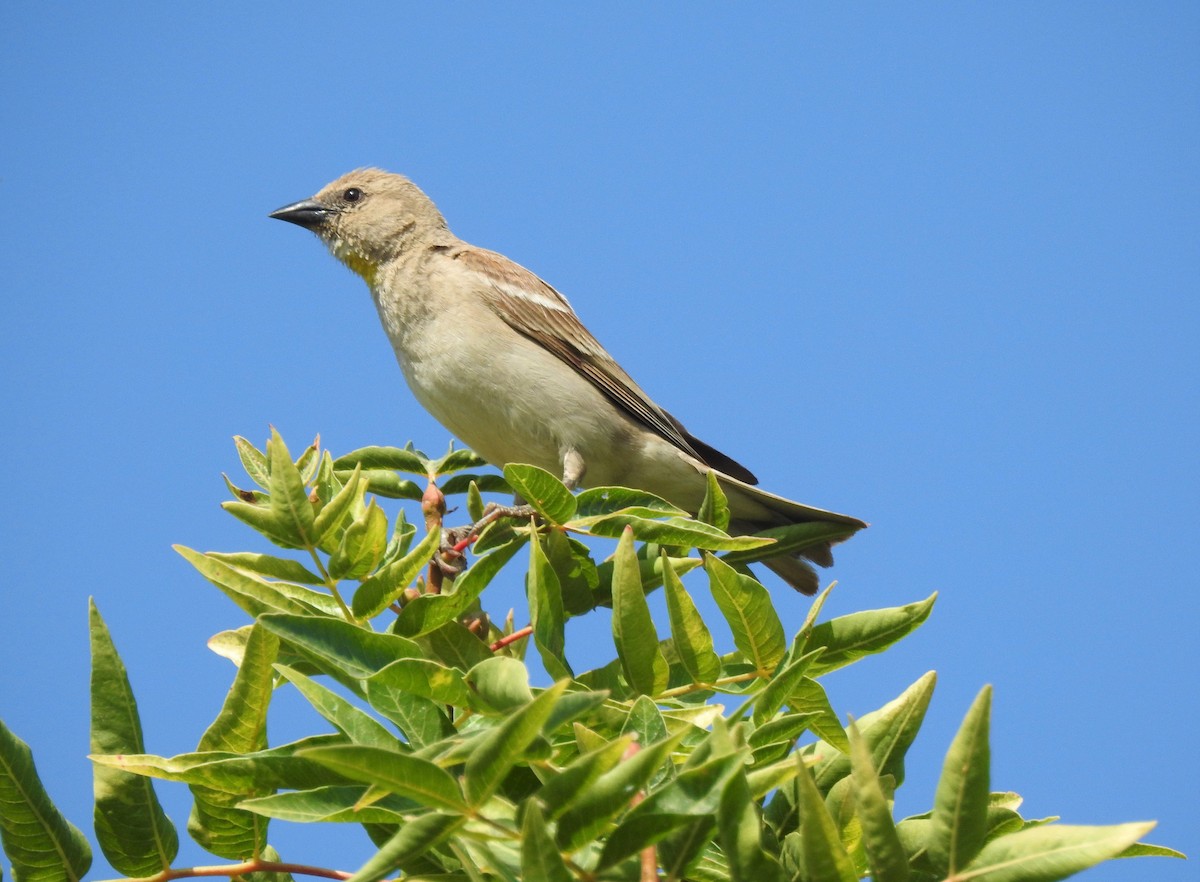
x,y
357,725
887,732
692,640
408,844
268,565
289,500
958,824
500,684
808,697
848,638
241,727
633,629
338,803
391,458
362,545
714,510
253,461
1049,853
885,854
374,595
746,605
41,844
505,747
784,682
345,651
610,794
739,831
131,827
546,612
253,594
822,856
540,858
561,791
683,532
411,776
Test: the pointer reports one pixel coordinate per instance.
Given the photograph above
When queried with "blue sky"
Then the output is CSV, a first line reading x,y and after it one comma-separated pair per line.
x,y
935,265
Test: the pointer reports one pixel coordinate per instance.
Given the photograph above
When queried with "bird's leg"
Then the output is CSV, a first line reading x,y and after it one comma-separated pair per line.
x,y
573,468
455,541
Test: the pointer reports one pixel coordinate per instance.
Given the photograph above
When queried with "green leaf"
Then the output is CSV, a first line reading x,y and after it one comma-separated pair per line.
x,y
385,483
633,630
131,827
958,825
500,684
808,697
563,789
600,502
346,652
238,774
412,840
453,645
485,483
254,595
390,458
503,748
456,461
362,545
267,565
786,680
546,612
692,640
822,857
357,725
645,721
335,803
420,676
740,830
746,605
1049,853
413,777
576,571
887,732
290,506
430,611
714,510
610,794
679,531
694,793
885,854
374,595
848,638
1145,849
540,858
42,845
421,719
253,461
241,727
540,489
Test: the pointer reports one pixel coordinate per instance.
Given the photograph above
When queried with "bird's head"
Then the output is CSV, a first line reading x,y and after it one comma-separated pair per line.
x,y
367,217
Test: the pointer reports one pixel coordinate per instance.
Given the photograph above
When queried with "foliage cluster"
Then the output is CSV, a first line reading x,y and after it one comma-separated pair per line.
x,y
673,761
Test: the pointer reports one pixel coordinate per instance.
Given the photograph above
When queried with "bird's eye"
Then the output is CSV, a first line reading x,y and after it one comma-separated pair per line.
x,y
353,194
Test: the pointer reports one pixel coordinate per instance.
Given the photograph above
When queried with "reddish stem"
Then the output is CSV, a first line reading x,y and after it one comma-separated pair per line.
x,y
512,638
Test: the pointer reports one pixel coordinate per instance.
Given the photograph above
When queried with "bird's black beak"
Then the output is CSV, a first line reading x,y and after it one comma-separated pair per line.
x,y
307,213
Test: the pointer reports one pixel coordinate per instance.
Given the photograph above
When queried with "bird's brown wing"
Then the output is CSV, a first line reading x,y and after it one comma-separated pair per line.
x,y
535,310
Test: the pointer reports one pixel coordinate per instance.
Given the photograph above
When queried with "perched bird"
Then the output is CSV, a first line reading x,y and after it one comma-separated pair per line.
x,y
501,360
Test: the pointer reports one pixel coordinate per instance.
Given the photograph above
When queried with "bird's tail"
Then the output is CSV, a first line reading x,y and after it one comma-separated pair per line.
x,y
754,510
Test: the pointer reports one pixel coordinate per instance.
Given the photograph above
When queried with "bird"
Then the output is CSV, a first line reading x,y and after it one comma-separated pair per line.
x,y
500,358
